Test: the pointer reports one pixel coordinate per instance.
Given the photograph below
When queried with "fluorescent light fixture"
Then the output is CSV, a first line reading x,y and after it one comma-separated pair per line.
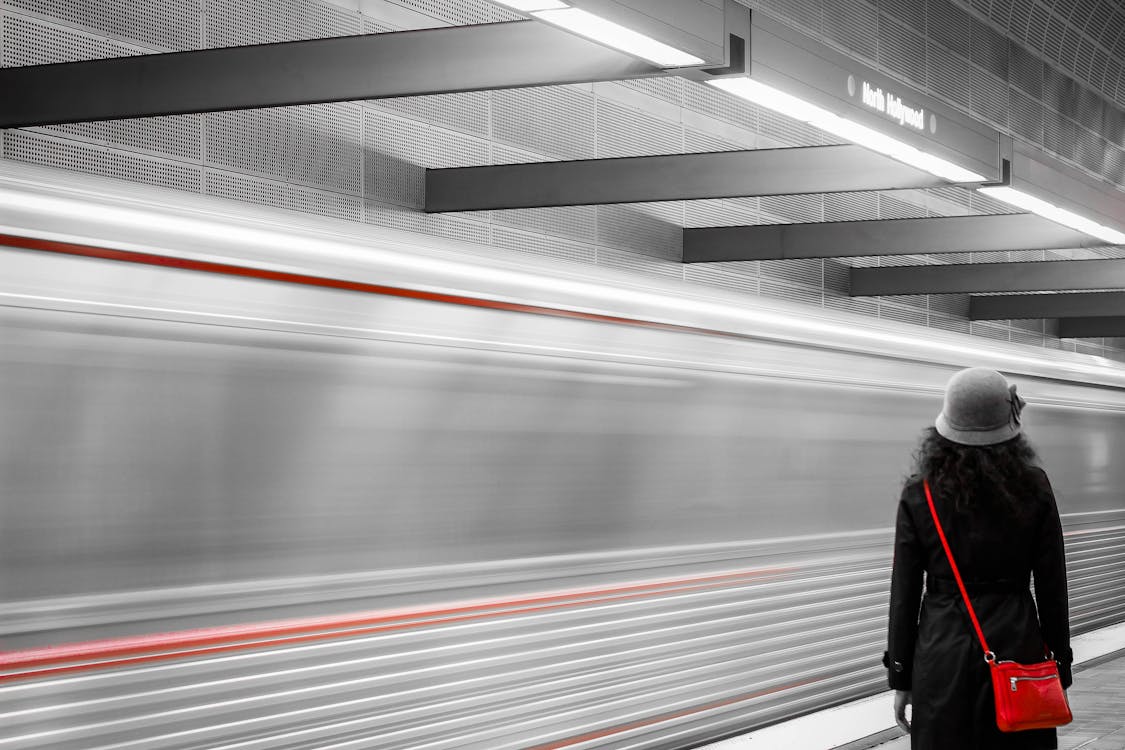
x,y
528,6
614,35
771,98
896,149
799,109
1050,211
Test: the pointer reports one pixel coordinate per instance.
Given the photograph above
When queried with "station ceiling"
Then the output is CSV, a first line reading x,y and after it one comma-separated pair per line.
x,y
729,42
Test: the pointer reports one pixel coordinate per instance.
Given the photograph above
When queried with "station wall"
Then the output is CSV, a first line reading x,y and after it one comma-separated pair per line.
x,y
1029,71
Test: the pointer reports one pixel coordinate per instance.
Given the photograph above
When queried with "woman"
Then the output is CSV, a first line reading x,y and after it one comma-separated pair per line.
x,y
1000,519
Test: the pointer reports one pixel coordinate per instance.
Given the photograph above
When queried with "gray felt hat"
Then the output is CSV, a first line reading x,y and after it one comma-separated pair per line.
x,y
980,408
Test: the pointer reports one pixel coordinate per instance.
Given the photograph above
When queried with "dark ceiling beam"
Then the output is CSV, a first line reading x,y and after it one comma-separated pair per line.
x,y
1092,328
639,179
373,66
842,239
988,277
1019,306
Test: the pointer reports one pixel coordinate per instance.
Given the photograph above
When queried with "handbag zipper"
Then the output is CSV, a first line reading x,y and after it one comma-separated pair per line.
x,y
1014,680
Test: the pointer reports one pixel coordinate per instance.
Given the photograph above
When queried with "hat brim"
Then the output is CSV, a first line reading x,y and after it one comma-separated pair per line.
x,y
975,437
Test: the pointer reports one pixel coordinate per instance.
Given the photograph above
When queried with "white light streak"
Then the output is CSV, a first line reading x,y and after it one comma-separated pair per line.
x,y
1050,211
528,6
771,98
123,223
614,35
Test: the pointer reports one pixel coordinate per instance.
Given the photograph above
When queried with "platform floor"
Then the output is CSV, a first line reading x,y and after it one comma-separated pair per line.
x,y
1097,699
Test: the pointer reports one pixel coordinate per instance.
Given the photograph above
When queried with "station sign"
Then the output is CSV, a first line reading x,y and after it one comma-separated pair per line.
x,y
892,105
792,62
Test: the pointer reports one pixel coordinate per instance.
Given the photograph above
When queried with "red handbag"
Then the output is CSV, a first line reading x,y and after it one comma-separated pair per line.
x,y
1028,696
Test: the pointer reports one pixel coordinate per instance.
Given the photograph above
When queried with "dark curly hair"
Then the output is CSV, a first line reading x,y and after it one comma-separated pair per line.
x,y
999,475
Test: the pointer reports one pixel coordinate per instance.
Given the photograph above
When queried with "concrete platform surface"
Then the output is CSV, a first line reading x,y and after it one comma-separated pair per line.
x,y
1097,699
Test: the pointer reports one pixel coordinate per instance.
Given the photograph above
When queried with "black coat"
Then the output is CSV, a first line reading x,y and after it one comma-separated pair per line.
x,y
933,650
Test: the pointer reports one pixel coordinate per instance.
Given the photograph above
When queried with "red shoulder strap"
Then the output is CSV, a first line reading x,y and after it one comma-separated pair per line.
x,y
988,655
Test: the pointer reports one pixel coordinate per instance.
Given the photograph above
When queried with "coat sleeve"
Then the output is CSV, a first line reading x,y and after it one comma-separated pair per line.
x,y
906,594
1050,586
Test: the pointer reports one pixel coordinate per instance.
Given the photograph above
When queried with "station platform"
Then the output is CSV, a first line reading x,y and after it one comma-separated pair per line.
x,y
1096,698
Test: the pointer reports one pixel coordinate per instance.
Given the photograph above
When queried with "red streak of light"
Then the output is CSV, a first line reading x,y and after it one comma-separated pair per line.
x,y
286,277
119,652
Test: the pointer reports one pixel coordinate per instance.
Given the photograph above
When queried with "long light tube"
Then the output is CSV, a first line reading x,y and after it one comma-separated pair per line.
x,y
43,209
614,35
528,6
1050,211
791,106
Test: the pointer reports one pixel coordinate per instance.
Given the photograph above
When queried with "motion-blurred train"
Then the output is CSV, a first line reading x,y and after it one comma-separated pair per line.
x,y
273,481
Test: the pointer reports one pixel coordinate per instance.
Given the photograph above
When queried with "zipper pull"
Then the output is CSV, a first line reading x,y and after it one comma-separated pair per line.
x,y
1012,680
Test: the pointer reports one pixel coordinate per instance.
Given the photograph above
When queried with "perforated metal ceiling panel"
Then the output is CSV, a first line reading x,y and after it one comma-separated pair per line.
x,y
242,187
558,121
30,40
231,23
624,131
461,13
318,145
166,26
81,157
467,112
398,151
